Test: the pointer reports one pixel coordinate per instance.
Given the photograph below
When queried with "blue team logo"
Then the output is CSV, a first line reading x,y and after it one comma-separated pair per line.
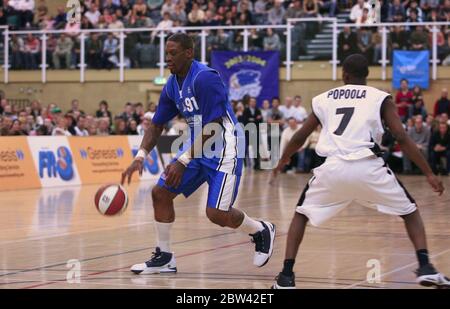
x,y
59,164
83,154
20,155
245,82
150,163
119,152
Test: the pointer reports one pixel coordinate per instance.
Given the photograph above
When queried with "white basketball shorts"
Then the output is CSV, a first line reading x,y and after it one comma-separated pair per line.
x,y
337,183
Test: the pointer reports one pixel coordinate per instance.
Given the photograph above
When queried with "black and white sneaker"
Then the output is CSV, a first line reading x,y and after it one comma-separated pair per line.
x,y
263,241
160,262
428,276
284,282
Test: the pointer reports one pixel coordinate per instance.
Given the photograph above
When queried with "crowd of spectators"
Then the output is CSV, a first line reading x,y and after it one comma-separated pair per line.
x,y
141,49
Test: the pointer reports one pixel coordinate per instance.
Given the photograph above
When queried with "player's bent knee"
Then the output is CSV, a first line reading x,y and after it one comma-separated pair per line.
x,y
217,216
160,194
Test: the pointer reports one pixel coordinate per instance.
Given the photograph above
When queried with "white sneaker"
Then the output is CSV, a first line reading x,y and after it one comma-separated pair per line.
x,y
159,263
263,244
428,276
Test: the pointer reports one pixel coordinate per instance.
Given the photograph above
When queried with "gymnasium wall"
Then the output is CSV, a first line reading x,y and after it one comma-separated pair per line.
x,y
63,86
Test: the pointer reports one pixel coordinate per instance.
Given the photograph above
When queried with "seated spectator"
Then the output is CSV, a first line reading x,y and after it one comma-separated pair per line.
x,y
419,39
81,127
347,43
140,7
414,7
41,11
109,6
439,146
421,137
397,12
145,124
363,18
103,127
31,52
298,105
61,127
125,8
271,40
86,23
115,24
276,15
196,16
132,127
442,105
93,15
403,99
180,15
398,38
290,111
151,110
168,7
110,50
417,108
428,5
103,111
364,39
165,24
94,48
63,50
357,10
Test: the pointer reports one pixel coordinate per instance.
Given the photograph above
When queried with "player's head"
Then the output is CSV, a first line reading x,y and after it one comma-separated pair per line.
x,y
179,52
355,69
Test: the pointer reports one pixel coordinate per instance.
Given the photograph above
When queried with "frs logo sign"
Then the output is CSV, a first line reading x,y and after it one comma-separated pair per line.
x,y
53,165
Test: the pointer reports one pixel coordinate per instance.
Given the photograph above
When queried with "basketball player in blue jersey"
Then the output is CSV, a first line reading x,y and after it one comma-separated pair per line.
x,y
353,118
198,93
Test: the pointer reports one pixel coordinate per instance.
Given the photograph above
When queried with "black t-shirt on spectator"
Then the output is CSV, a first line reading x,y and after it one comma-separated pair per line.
x,y
437,138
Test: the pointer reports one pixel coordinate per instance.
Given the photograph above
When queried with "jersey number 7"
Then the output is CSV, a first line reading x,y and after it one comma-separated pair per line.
x,y
348,113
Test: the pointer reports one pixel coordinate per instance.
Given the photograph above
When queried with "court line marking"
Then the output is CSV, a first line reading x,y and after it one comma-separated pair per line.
x,y
397,269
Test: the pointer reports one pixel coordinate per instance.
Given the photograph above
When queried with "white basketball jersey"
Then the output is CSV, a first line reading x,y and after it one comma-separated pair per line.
x,y
351,121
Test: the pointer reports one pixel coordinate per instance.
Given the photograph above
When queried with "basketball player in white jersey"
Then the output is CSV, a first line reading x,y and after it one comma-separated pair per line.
x,y
352,118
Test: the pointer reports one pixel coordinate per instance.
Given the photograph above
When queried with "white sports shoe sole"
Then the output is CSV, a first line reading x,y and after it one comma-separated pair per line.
x,y
261,259
142,269
436,280
279,287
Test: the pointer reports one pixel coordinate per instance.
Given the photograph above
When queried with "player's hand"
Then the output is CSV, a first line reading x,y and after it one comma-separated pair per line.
x,y
174,172
436,183
136,165
281,164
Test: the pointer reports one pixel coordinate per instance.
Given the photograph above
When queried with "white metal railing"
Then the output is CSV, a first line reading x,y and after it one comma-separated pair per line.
x,y
203,34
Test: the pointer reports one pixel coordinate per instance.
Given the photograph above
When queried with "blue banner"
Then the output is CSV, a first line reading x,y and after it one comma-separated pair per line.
x,y
412,66
253,73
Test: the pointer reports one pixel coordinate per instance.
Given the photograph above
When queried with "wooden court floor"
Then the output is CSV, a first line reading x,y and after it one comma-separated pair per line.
x,y
42,230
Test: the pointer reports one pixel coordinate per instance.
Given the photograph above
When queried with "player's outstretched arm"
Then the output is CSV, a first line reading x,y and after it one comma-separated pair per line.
x,y
409,148
149,141
297,141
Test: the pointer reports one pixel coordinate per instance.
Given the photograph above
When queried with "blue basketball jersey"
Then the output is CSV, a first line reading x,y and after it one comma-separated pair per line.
x,y
202,98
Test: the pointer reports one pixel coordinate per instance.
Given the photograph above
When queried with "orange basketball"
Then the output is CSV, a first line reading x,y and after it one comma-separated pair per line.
x,y
111,200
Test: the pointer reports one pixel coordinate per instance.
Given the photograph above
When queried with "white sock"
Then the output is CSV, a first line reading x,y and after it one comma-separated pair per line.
x,y
163,235
250,226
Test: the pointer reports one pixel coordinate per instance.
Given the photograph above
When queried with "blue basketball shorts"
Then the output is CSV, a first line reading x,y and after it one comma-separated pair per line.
x,y
223,188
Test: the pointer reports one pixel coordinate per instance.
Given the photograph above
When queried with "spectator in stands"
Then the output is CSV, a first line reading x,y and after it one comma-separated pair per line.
x,y
363,18
154,4
440,145
31,52
110,49
151,110
60,20
328,7
428,5
417,108
271,40
290,111
115,24
139,7
398,38
103,128
301,110
419,39
81,127
265,110
252,114
93,15
414,7
376,46
276,14
165,24
15,128
310,8
403,99
94,48
312,159
385,6
421,137
295,10
17,48
417,93
41,11
364,39
132,127
63,50
347,43
103,111
110,6
75,104
255,41
397,12
179,14
145,124
196,16
442,105
61,127
357,10
128,112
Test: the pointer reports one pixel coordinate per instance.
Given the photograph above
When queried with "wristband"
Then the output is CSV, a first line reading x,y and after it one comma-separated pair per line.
x,y
185,158
141,154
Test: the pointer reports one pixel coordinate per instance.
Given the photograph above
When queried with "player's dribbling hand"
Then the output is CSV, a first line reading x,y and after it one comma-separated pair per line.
x,y
436,183
136,165
174,172
281,164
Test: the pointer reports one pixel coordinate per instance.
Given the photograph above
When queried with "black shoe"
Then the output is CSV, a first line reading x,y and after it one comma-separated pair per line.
x,y
263,244
284,282
428,276
160,262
